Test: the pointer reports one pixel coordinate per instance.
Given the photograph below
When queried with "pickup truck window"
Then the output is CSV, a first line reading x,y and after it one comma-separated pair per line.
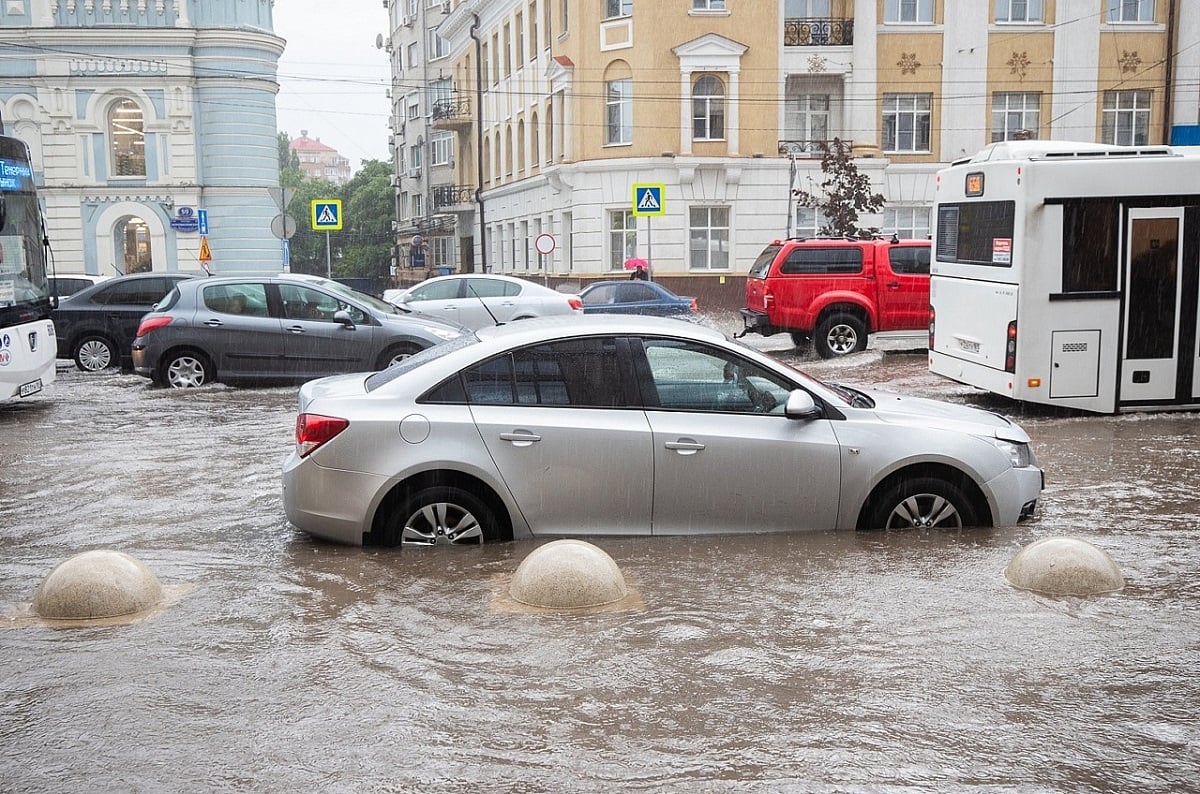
x,y
909,261
846,259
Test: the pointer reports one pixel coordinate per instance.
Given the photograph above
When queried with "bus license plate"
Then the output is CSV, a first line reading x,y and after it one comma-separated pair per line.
x,y
969,346
33,387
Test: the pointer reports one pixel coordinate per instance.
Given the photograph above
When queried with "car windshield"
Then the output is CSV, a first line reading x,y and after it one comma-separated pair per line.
x,y
419,359
361,297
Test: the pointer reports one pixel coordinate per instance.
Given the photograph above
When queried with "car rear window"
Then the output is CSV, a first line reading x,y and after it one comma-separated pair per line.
x,y
763,263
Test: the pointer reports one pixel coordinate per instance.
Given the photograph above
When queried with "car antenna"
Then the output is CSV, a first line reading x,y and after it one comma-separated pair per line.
x,y
483,303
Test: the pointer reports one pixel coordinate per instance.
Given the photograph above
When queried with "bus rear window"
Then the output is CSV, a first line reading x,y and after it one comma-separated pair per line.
x,y
976,233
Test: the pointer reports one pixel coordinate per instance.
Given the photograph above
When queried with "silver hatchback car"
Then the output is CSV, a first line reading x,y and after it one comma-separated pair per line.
x,y
282,328
616,425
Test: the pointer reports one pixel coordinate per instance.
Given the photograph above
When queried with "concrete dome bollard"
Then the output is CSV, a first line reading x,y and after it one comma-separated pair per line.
x,y
567,574
97,584
1064,566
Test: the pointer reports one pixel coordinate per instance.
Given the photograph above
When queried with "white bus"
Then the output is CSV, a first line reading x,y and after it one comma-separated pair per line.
x,y
1066,274
27,344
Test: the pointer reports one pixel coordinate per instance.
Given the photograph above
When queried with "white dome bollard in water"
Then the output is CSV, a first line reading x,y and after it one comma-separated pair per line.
x,y
1064,566
97,584
567,574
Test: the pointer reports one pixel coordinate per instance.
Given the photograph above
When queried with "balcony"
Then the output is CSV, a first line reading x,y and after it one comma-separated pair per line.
x,y
449,114
818,32
446,197
810,150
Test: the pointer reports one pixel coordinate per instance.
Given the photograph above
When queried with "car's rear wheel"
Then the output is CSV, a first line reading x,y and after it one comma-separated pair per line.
x,y
94,353
924,503
395,354
185,369
840,335
441,514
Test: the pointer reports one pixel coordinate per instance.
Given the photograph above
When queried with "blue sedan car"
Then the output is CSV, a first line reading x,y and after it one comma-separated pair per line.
x,y
635,297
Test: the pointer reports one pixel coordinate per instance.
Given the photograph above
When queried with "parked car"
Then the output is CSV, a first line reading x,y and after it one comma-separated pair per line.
x,y
96,325
635,297
477,301
620,425
281,328
837,290
66,284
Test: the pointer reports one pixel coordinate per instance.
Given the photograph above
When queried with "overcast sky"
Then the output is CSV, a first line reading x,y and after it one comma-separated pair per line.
x,y
332,78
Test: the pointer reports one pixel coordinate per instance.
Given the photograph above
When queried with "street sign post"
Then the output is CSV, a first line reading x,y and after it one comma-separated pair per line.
x,y
544,245
649,199
327,217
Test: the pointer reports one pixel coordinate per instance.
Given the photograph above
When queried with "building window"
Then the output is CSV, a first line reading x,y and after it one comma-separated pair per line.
x,y
1126,118
810,221
708,5
908,11
1018,10
1130,10
442,251
127,139
907,223
708,109
806,117
414,108
708,238
418,209
619,112
622,238
441,148
617,8
411,55
906,122
414,159
437,46
1013,114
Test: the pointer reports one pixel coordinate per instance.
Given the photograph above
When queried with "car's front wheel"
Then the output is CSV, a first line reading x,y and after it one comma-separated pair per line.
x,y
94,353
185,369
923,503
840,335
441,514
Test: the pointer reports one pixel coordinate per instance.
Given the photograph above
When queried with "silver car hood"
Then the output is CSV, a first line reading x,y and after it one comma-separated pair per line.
x,y
922,412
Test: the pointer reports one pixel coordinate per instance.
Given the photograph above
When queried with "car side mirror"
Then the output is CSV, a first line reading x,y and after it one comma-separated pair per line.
x,y
800,405
342,316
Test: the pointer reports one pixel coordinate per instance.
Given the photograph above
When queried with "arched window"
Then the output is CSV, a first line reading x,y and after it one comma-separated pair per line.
x,y
618,103
126,139
708,109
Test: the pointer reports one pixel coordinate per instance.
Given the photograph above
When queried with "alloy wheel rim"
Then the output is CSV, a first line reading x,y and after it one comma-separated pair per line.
x,y
95,355
185,373
441,523
925,511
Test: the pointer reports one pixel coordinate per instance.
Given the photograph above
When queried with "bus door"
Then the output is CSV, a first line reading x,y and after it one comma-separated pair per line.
x,y
1159,327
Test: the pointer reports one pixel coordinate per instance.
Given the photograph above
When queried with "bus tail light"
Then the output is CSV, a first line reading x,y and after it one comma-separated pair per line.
x,y
313,430
1010,348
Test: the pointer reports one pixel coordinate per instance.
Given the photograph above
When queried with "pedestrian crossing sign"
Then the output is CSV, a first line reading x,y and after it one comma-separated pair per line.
x,y
327,215
648,200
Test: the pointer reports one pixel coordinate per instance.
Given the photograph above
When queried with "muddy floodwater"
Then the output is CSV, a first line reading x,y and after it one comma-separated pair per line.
x,y
822,662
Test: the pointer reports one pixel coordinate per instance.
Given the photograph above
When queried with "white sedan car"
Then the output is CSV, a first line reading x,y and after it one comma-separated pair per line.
x,y
626,425
478,301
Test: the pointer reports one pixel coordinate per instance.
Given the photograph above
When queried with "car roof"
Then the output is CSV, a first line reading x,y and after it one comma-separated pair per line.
x,y
107,282
565,326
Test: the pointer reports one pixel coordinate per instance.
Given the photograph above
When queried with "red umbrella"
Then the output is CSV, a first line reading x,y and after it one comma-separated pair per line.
x,y
634,263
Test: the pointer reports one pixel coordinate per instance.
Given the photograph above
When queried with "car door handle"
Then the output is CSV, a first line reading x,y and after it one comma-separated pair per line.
x,y
296,329
213,323
685,446
520,438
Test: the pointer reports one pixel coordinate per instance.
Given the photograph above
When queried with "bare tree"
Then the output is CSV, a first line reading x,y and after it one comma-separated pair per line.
x,y
842,194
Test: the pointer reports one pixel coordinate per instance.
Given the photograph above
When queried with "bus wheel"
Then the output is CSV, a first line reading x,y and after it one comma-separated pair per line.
x,y
840,335
94,353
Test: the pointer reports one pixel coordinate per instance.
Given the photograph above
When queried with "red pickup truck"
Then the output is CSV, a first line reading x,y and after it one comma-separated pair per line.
x,y
835,291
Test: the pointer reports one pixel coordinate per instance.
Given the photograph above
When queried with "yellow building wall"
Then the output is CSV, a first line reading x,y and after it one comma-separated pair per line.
x,y
910,62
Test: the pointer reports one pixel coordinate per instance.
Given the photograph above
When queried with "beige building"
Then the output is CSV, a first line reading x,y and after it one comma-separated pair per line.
x,y
320,160
551,111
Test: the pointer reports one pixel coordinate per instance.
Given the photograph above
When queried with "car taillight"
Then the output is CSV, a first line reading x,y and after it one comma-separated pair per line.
x,y
152,324
575,303
932,317
695,306
1010,348
313,430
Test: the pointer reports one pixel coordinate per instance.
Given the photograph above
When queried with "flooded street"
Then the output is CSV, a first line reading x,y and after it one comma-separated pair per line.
x,y
822,662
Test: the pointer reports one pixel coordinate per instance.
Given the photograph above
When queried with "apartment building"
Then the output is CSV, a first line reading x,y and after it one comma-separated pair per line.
x,y
320,160
553,110
151,127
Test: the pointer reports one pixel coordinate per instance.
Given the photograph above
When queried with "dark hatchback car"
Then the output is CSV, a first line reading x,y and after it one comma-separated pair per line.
x,y
282,328
635,297
96,325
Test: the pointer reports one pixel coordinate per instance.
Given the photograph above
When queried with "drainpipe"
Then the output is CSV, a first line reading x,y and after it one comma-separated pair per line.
x,y
1168,97
479,141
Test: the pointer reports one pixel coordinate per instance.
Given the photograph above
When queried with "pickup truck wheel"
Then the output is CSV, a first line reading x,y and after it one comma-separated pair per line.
x,y
840,335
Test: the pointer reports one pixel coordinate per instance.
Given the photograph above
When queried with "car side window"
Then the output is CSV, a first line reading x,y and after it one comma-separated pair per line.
x,y
305,303
600,296
135,292
437,291
246,299
688,376
843,259
490,288
635,293
909,260
579,373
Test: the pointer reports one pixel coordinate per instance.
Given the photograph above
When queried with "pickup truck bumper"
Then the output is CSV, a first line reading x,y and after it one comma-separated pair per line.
x,y
756,322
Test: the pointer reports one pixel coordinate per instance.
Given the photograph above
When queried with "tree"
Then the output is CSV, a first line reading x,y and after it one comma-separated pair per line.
x,y
308,254
370,207
842,195
289,162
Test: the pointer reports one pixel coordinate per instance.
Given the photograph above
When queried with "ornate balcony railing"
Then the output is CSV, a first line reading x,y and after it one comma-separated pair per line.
x,y
810,149
452,195
451,111
817,32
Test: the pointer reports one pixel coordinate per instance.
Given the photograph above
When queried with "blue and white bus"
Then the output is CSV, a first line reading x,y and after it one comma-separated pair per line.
x,y
27,344
1067,274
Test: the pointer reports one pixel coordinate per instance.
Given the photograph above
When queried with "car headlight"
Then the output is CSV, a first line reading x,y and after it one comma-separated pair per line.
x,y
445,334
1019,453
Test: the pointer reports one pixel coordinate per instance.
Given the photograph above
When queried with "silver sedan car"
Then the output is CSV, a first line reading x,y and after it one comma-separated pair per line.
x,y
480,300
618,425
